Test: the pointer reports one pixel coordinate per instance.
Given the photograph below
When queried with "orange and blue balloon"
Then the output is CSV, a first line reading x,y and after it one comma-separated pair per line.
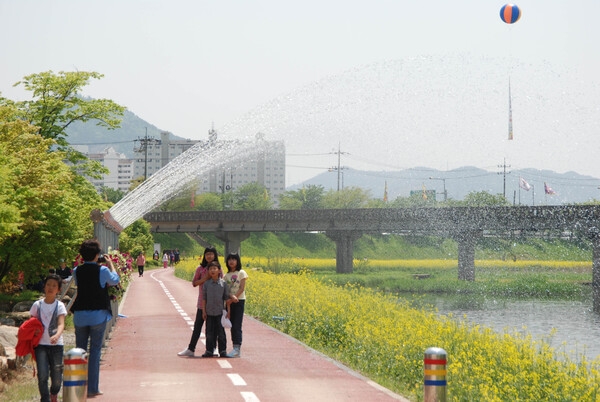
x,y
510,13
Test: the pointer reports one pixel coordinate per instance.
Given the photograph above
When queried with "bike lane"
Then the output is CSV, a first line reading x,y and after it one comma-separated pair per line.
x,y
140,362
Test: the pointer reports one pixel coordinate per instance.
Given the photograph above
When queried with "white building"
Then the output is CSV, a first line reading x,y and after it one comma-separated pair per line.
x,y
267,169
120,169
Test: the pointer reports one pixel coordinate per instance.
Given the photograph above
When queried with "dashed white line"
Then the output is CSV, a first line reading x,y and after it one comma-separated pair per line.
x,y
236,379
249,397
224,364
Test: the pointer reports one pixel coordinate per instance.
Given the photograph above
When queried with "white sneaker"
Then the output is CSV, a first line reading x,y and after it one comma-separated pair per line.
x,y
186,353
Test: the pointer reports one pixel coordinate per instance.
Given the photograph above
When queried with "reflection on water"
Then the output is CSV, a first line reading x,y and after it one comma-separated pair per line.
x,y
577,327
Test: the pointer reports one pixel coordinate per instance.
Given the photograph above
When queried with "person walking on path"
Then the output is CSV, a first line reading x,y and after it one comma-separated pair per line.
x,y
236,280
49,352
165,260
141,262
91,309
200,276
215,294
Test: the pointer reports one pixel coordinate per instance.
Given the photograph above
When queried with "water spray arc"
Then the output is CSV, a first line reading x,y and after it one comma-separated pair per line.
x,y
169,181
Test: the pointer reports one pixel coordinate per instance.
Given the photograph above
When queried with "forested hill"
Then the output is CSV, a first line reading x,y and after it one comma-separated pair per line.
x,y
122,139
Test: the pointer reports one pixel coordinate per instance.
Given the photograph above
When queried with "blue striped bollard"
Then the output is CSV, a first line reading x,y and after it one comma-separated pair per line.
x,y
435,375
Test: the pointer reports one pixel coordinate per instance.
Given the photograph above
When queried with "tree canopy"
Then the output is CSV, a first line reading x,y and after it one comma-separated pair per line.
x,y
45,203
56,103
46,206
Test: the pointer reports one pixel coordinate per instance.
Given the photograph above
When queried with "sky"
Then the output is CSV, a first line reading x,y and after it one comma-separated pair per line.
x,y
383,85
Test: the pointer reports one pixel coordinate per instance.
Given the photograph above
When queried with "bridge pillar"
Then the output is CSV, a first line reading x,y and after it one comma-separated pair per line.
x,y
466,253
596,272
233,240
344,253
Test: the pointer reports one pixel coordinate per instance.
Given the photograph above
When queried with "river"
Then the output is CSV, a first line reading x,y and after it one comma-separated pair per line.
x,y
570,327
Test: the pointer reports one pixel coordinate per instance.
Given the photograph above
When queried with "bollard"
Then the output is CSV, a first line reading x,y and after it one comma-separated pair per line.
x,y
435,375
75,376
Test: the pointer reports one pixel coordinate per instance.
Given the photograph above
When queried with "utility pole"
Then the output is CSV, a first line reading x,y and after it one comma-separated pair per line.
x,y
339,167
504,173
144,148
146,155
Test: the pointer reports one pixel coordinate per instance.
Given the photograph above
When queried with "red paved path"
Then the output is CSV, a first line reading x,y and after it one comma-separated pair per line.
x,y
140,362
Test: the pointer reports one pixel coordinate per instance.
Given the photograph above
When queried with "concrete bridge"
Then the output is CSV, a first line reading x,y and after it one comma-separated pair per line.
x,y
464,224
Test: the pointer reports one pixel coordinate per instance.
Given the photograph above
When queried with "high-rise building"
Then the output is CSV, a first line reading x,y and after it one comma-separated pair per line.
x,y
120,169
268,168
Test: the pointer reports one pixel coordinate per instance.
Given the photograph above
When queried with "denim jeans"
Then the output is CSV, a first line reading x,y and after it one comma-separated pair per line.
x,y
237,315
95,335
49,361
197,330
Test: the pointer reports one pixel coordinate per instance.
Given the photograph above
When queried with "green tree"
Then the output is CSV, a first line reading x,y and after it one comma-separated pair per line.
x,y
252,196
483,198
53,202
111,195
180,202
349,197
308,197
56,103
137,238
208,202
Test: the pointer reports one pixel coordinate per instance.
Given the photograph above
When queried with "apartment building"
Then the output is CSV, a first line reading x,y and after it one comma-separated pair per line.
x,y
121,170
267,169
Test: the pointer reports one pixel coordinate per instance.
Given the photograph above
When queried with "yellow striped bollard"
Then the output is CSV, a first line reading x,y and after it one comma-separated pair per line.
x,y
435,375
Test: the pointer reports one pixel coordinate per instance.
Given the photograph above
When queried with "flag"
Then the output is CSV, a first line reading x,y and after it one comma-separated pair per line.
x,y
548,189
424,192
385,196
523,184
193,199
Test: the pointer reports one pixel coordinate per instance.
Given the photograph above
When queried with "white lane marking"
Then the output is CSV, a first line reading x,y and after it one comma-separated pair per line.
x,y
224,364
236,379
249,397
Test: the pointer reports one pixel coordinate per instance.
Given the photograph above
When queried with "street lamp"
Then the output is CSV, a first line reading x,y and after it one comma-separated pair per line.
x,y
444,182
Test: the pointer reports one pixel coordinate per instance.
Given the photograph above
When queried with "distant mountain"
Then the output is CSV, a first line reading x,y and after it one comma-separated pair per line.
x,y
122,139
570,187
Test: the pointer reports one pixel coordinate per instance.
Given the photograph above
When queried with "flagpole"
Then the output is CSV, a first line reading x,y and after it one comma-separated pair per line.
x,y
510,122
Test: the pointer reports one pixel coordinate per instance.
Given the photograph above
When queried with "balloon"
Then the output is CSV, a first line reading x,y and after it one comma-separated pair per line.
x,y
510,13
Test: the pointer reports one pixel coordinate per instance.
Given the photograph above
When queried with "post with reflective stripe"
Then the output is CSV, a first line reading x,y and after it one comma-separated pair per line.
x,y
75,376
435,375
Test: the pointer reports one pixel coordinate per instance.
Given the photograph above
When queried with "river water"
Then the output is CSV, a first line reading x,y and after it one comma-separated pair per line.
x,y
570,327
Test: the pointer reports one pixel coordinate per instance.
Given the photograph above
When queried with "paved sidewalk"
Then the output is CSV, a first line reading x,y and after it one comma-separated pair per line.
x,y
140,362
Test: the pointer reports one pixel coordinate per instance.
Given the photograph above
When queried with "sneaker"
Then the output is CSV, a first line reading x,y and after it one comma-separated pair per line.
x,y
186,353
223,354
208,354
234,353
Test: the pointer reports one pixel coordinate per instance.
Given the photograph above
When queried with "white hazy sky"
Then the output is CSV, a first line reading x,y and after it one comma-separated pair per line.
x,y
395,84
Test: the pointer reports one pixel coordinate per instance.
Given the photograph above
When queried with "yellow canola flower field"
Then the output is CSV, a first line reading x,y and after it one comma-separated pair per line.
x,y
385,340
